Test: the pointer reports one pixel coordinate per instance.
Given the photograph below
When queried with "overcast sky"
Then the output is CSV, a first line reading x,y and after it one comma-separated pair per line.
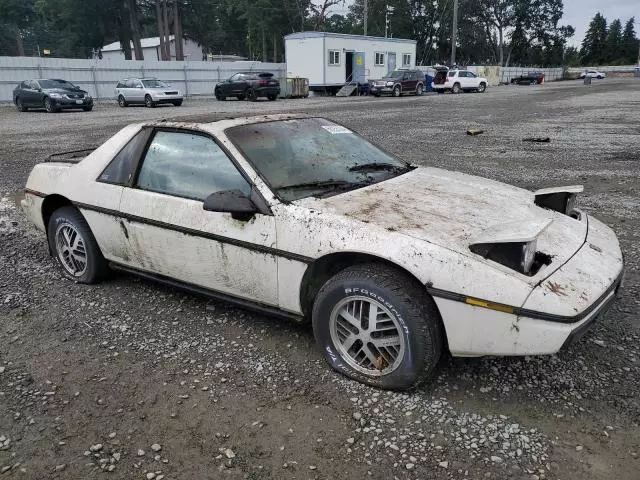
x,y
579,13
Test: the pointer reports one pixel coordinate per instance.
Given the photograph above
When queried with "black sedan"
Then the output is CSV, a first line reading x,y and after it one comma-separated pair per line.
x,y
249,85
52,94
529,78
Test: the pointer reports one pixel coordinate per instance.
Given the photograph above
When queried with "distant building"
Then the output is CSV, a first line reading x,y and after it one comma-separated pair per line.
x,y
226,58
151,50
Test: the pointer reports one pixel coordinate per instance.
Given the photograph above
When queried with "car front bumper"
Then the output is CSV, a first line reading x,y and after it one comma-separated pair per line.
x,y
72,102
380,90
166,98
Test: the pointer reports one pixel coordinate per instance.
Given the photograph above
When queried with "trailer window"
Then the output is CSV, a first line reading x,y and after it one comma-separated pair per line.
x,y
406,60
379,59
334,57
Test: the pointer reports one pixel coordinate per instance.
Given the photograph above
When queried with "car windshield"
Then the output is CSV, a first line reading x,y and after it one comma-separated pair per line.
x,y
396,74
312,157
153,83
56,84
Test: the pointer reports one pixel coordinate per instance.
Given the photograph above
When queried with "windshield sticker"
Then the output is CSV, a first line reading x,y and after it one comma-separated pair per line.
x,y
335,129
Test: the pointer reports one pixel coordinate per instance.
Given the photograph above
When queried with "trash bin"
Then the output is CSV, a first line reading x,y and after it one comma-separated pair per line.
x,y
428,83
638,71
587,80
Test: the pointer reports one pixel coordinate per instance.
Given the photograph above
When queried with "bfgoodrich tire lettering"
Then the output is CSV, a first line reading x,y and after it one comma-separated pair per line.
x,y
412,309
68,219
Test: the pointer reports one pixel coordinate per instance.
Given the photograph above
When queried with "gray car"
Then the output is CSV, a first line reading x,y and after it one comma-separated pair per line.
x,y
147,91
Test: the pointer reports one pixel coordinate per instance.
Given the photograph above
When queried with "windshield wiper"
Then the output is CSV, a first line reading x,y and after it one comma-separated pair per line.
x,y
376,166
323,184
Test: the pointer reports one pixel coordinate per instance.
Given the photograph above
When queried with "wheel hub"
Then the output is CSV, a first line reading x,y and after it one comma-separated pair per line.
x,y
367,335
71,249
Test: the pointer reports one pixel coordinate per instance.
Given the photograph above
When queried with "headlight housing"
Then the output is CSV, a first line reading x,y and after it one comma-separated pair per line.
x,y
389,84
519,256
55,95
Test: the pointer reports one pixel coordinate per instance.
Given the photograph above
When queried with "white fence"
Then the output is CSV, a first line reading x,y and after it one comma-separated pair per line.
x,y
100,77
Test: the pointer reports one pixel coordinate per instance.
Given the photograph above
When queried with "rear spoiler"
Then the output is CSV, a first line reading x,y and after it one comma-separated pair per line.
x,y
72,156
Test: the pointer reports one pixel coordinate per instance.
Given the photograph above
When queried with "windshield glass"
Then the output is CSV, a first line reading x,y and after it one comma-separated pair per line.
x,y
154,83
396,74
312,157
56,84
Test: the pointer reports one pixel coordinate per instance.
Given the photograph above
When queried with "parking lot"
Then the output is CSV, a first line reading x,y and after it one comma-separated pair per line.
x,y
92,376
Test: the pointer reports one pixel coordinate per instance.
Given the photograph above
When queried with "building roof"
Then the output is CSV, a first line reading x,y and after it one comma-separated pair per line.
x,y
150,42
305,35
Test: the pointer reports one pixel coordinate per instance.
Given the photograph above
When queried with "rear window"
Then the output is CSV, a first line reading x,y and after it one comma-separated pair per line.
x,y
452,74
120,84
265,75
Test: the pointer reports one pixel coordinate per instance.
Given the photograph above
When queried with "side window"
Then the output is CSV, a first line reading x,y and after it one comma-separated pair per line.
x,y
122,167
188,165
121,84
129,84
334,57
235,78
406,60
379,59
471,75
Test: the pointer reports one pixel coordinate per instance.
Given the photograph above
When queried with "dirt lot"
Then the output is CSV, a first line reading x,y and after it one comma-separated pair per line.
x,y
91,377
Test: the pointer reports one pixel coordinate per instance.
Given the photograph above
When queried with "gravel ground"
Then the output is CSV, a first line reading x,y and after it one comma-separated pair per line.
x,y
133,380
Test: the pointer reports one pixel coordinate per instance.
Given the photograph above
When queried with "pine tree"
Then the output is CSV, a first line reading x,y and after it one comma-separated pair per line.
x,y
614,51
630,44
594,45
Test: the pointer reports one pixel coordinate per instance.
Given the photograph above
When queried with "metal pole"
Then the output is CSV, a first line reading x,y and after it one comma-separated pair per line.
x,y
366,15
454,32
386,21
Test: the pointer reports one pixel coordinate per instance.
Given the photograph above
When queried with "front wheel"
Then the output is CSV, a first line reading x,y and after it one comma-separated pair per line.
x,y
376,325
482,87
219,96
251,95
87,109
177,103
396,91
74,246
419,89
148,101
20,106
50,106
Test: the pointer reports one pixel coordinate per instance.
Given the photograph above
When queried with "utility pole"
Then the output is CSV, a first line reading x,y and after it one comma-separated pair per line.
x,y
386,20
454,33
366,15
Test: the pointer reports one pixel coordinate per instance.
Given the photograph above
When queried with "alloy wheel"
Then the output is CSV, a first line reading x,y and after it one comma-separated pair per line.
x,y
367,335
71,250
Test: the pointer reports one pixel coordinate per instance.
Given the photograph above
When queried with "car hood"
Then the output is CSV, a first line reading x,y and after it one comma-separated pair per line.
x,y
455,210
62,91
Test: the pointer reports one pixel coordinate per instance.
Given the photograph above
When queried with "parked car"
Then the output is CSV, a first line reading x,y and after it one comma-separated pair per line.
x,y
456,81
147,91
399,82
52,94
301,217
593,74
249,85
529,78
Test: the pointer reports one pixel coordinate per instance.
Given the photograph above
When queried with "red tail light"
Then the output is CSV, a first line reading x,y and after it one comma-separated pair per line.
x,y
263,83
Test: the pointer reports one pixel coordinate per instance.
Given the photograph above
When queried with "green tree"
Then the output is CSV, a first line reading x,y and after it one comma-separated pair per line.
x,y
630,45
16,18
614,42
594,45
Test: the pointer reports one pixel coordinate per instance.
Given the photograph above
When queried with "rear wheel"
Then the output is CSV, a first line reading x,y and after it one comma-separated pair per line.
x,y
148,101
240,97
534,82
482,87
272,97
122,102
20,106
378,326
74,246
419,89
251,95
456,88
87,109
177,103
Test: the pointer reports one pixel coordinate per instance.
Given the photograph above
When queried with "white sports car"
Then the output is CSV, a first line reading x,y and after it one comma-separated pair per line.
x,y
301,217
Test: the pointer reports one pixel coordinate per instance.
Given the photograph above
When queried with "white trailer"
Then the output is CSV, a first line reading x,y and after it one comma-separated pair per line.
x,y
330,60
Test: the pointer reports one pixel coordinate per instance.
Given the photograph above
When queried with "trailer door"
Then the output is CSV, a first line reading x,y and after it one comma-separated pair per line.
x,y
391,61
359,74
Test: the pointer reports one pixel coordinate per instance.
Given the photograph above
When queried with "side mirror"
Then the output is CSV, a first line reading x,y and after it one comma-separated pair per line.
x,y
230,201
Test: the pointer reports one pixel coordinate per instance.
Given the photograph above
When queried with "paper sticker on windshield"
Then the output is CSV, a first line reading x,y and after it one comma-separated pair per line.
x,y
334,129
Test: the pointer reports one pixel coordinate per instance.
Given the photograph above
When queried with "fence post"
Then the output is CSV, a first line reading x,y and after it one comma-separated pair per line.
x,y
39,71
142,71
186,81
95,82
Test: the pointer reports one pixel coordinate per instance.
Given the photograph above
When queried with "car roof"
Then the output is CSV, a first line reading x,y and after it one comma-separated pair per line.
x,y
223,122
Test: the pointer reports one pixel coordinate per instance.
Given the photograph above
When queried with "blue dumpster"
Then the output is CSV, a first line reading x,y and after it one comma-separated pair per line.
x,y
428,83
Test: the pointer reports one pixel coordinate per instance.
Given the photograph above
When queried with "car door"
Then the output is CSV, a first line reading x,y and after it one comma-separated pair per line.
x,y
137,91
33,94
241,83
472,80
231,86
171,235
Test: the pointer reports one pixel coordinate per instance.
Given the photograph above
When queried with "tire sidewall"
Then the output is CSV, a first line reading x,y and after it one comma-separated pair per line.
x,y
396,91
413,363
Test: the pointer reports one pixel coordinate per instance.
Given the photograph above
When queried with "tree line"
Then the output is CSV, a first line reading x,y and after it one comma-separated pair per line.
x,y
608,44
504,32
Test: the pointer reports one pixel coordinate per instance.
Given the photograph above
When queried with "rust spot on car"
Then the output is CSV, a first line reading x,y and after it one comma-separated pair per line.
x,y
595,247
124,230
556,288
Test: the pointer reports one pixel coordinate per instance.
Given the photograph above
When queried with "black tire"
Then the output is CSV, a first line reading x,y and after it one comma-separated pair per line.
x,y
534,82
96,265
272,97
440,91
50,106
219,96
87,109
177,103
600,77
456,88
20,106
396,91
482,87
240,97
419,89
251,95
413,308
122,102
377,95
148,101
